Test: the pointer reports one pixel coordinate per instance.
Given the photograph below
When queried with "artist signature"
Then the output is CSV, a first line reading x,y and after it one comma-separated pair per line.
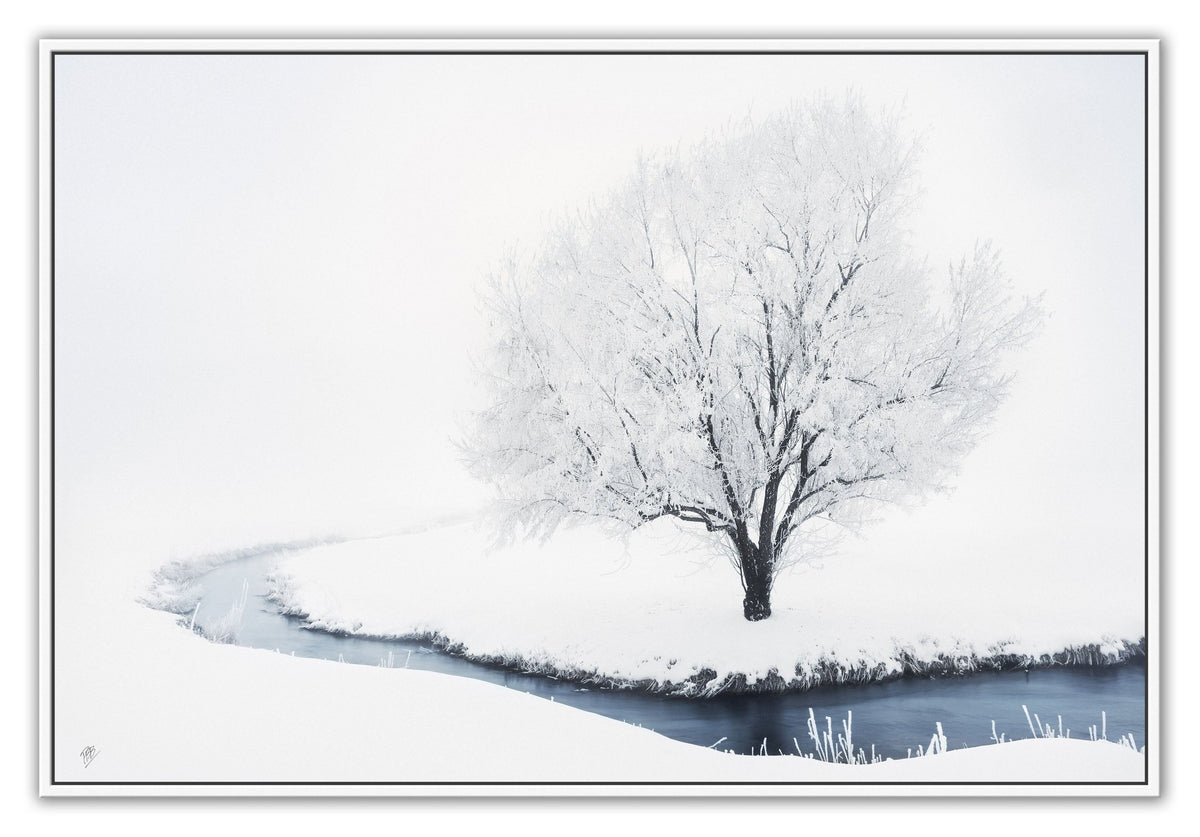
x,y
88,754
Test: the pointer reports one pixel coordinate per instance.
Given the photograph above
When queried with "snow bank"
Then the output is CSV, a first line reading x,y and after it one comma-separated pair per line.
x,y
200,712
653,611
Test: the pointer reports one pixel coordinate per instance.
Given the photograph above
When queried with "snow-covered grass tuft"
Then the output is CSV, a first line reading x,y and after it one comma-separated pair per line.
x,y
225,629
837,747
1042,729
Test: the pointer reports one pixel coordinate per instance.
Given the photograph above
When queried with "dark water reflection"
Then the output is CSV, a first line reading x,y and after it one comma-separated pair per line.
x,y
893,716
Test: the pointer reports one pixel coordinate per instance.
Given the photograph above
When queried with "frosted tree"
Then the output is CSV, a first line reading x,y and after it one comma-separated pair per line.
x,y
741,338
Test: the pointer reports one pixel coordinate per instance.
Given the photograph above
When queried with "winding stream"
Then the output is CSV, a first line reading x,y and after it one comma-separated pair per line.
x,y
894,717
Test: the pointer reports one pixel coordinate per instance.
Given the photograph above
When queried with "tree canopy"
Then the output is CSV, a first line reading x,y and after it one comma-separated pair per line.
x,y
741,337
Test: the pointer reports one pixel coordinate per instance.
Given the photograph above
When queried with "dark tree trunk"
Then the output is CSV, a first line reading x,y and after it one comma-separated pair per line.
x,y
756,606
756,577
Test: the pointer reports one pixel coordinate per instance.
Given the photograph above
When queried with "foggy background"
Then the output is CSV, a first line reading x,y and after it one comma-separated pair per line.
x,y
265,271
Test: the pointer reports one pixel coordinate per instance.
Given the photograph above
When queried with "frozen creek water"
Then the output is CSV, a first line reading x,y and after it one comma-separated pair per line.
x,y
895,716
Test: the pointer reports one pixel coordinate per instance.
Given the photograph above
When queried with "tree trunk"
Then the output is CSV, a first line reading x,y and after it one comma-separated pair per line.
x,y
756,577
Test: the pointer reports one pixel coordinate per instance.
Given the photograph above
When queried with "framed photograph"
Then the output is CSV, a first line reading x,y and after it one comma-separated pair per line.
x,y
599,417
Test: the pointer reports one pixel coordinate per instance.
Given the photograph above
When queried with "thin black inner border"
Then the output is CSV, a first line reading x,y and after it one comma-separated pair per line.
x,y
617,52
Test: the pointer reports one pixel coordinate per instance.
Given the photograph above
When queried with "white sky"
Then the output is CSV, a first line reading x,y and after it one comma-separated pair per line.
x,y
265,271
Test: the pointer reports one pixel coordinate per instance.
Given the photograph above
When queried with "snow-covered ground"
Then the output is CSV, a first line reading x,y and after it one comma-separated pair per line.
x,y
660,608
161,704
205,712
